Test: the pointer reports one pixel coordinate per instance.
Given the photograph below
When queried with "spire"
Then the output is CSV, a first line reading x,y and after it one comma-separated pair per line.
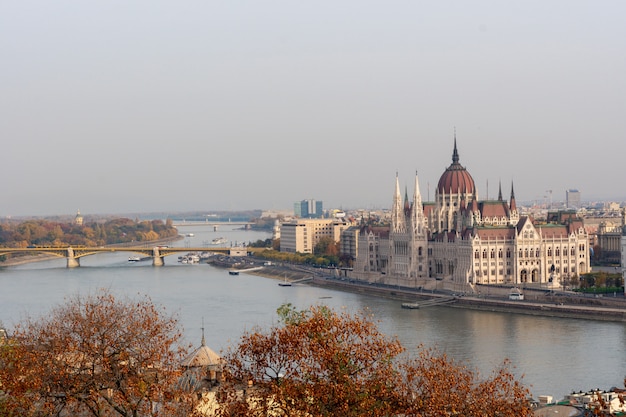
x,y
406,199
397,211
203,342
499,190
455,153
417,196
418,210
513,205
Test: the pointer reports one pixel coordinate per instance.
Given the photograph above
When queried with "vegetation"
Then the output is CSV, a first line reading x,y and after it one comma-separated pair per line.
x,y
95,355
298,258
325,253
601,283
56,234
322,363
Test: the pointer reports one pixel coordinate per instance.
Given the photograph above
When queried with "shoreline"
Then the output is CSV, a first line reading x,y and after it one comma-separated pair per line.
x,y
546,306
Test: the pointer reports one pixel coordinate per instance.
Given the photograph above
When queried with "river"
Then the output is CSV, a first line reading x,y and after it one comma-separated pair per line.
x,y
552,355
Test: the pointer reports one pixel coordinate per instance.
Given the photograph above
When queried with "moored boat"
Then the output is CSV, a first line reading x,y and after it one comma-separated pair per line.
x,y
516,294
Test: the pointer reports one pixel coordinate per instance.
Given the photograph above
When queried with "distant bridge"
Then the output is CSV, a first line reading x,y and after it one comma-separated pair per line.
x,y
73,254
211,223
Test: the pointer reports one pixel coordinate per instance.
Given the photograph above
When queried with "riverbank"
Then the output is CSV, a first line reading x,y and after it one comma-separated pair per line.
x,y
538,303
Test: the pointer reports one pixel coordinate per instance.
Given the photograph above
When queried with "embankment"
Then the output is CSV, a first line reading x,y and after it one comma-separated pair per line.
x,y
603,309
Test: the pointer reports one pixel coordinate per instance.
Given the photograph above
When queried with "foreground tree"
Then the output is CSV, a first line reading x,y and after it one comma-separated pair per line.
x,y
95,355
321,363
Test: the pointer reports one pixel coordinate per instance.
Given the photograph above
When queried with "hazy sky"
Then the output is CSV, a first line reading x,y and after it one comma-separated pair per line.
x,y
142,106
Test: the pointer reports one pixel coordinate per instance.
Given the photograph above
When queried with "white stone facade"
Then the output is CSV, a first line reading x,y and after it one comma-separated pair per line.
x,y
463,241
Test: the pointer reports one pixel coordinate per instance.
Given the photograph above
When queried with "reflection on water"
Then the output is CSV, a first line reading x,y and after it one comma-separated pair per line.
x,y
554,355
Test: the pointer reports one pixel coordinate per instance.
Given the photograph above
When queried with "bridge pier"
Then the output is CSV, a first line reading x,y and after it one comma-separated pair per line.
x,y
157,259
72,261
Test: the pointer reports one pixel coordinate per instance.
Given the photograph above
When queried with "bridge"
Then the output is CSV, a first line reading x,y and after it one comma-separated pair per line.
x,y
215,224
73,254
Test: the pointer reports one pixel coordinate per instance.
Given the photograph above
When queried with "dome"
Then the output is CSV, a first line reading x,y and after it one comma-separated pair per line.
x,y
456,179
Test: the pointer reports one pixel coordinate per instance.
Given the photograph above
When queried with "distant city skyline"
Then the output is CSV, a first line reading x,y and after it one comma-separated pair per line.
x,y
116,107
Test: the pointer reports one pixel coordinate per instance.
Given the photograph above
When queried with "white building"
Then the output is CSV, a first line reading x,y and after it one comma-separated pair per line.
x,y
463,241
301,235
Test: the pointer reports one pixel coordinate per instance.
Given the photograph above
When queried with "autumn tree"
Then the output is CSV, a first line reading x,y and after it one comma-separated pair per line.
x,y
317,363
434,385
326,246
322,363
95,355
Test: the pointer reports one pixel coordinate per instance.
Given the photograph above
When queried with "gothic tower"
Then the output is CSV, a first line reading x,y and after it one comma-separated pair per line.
x,y
408,236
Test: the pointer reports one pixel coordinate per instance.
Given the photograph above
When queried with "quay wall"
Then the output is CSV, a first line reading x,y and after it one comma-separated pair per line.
x,y
607,309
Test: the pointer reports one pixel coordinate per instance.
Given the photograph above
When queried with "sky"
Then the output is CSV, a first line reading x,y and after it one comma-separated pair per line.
x,y
148,106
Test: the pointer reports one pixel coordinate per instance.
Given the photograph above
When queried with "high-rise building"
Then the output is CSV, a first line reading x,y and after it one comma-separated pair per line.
x,y
572,199
308,209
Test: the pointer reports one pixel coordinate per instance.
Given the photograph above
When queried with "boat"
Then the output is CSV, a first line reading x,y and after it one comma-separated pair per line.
x,y
134,259
413,306
190,235
190,258
516,294
594,402
233,272
285,283
219,241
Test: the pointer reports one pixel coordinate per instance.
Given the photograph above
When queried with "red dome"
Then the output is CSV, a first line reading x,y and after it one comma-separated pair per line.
x,y
456,179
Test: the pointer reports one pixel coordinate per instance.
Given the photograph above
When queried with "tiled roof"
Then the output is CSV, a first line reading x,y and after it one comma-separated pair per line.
x,y
493,233
456,179
494,209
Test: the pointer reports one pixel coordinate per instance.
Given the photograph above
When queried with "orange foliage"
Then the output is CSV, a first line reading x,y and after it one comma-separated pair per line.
x,y
97,356
321,363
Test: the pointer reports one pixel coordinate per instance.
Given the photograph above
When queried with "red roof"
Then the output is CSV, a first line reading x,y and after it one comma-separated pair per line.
x,y
456,179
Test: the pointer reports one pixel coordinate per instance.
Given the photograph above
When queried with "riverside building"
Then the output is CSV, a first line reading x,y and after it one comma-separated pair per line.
x,y
464,241
301,235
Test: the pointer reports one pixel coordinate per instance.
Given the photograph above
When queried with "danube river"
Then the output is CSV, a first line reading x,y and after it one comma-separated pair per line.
x,y
554,356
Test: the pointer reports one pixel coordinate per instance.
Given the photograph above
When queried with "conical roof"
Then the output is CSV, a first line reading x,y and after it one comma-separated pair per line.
x,y
203,356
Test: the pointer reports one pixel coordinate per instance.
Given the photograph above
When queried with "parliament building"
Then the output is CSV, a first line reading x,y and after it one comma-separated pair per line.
x,y
464,241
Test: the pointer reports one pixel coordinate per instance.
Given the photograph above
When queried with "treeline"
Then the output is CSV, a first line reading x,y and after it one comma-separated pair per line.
x,y
43,233
325,254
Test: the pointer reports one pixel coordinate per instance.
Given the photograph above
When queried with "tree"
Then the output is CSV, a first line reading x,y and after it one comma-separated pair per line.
x,y
321,363
326,246
95,355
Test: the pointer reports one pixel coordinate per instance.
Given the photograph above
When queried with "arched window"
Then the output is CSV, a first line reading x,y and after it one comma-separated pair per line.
x,y
500,253
550,251
557,251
